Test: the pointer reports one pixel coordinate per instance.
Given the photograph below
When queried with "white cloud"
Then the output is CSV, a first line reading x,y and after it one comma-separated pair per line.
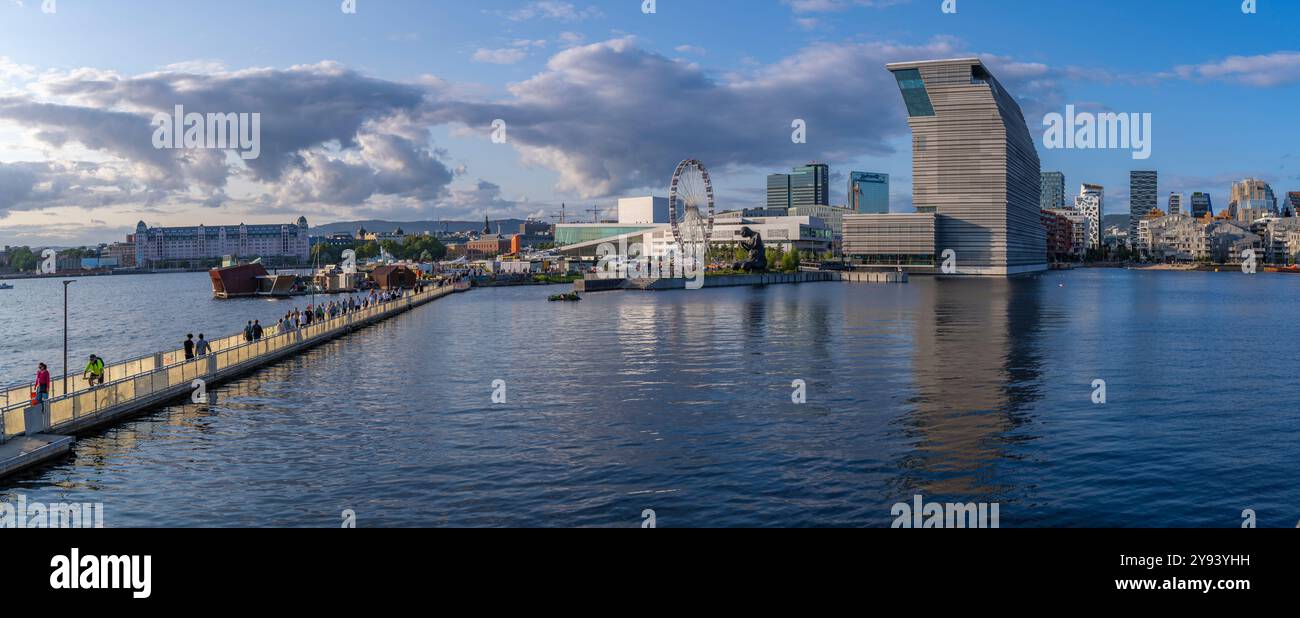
x,y
612,117
508,55
1265,70
832,6
552,9
330,137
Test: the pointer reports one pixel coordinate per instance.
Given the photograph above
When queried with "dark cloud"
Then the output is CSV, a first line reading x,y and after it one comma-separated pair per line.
x,y
328,134
612,117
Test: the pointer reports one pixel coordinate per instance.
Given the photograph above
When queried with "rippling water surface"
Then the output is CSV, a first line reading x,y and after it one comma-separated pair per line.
x,y
681,402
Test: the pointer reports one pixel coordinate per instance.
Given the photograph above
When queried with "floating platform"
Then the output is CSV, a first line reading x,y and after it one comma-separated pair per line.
x,y
24,452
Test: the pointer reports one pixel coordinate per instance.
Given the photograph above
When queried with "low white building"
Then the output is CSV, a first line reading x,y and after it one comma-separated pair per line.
x,y
633,235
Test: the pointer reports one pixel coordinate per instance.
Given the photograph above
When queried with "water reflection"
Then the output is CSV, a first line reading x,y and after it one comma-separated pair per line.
x,y
977,364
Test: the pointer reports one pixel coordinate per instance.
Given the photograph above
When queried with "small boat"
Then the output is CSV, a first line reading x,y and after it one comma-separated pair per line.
x,y
570,297
6,286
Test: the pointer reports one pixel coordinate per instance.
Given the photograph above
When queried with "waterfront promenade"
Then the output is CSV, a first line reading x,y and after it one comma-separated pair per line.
x,y
596,283
30,435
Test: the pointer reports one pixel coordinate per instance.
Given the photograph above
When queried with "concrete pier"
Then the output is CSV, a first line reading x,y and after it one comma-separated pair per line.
x,y
31,435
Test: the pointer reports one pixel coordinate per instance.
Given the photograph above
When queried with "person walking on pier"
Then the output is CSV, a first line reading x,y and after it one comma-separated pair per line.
x,y
189,347
94,371
202,348
257,330
42,383
248,332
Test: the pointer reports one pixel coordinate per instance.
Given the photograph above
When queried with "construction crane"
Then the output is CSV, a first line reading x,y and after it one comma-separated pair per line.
x,y
559,217
595,213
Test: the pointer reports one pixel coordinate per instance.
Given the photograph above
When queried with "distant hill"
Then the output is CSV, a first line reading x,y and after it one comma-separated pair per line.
x,y
414,227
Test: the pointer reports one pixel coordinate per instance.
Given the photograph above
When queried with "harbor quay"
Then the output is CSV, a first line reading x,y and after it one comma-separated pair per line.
x,y
599,283
34,434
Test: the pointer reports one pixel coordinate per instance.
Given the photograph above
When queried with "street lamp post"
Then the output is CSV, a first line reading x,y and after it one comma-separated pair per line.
x,y
65,335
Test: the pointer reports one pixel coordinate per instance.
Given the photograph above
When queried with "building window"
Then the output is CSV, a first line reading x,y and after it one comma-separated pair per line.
x,y
914,94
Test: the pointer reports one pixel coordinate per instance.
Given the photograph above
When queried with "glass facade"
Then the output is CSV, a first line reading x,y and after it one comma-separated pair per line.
x,y
914,94
1053,196
808,185
778,191
869,193
1201,205
572,235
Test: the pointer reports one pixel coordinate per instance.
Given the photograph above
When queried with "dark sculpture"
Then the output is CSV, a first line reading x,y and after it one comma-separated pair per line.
x,y
753,244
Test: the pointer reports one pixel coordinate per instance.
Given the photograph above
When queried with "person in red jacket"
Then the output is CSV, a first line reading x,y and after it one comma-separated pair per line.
x,y
42,382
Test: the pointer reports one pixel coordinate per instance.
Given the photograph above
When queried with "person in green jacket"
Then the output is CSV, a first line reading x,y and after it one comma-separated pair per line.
x,y
94,370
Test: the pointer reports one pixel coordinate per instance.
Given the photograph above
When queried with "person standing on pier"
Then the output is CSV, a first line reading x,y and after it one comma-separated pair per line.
x,y
202,348
42,383
248,332
189,347
257,330
94,371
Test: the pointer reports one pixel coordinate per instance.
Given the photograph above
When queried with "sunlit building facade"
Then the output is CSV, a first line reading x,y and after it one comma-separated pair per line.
x,y
279,244
974,166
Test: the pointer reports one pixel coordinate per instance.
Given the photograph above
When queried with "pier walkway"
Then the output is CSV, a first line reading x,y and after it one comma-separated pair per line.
x,y
30,435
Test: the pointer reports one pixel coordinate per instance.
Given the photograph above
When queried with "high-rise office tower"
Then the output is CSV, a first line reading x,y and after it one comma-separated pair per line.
x,y
1053,193
778,191
1202,205
808,185
1142,191
975,166
868,193
1175,203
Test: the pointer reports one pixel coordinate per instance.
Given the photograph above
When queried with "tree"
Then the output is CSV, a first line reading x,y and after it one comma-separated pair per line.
x,y
367,250
790,261
417,247
324,253
22,259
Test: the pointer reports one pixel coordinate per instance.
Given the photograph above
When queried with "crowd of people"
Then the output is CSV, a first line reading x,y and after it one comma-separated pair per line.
x,y
253,331
297,319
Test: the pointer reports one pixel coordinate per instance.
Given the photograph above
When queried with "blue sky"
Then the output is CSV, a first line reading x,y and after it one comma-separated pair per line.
x,y
600,100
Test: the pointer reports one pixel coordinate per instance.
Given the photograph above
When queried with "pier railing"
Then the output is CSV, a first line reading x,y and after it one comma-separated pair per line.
x,y
166,375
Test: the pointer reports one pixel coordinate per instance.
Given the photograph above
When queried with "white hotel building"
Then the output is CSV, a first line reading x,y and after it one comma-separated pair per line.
x,y
275,244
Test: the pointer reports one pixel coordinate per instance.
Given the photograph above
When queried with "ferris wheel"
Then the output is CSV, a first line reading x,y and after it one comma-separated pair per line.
x,y
690,208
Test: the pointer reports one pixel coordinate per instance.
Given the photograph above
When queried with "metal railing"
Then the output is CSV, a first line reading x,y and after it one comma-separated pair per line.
x,y
165,373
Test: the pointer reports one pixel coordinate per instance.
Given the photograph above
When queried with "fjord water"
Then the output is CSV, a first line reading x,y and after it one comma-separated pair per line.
x,y
971,391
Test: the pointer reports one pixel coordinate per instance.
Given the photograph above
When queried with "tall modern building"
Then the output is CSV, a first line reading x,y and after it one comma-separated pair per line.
x,y
1053,193
277,244
1202,205
1251,199
1092,201
1142,198
974,166
808,185
778,191
1175,203
868,193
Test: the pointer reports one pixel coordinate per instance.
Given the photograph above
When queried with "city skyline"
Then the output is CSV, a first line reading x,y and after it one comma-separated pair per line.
x,y
409,136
